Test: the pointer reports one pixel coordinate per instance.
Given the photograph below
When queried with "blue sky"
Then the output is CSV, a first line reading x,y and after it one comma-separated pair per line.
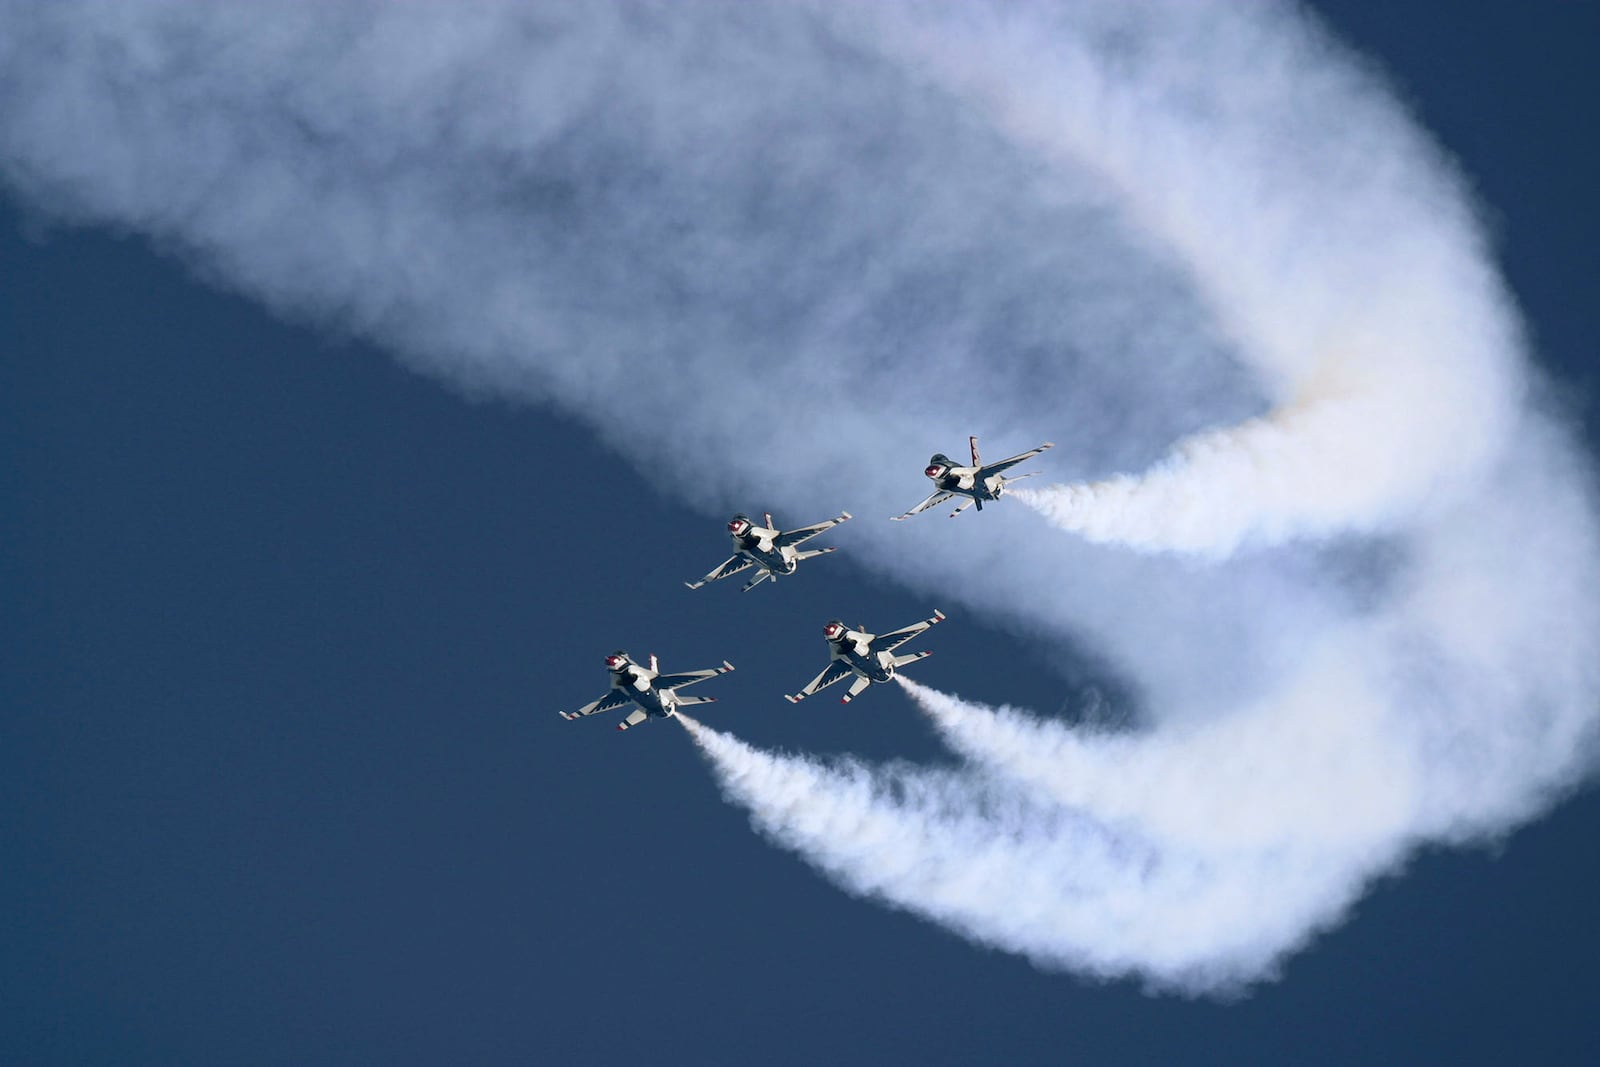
x,y
287,623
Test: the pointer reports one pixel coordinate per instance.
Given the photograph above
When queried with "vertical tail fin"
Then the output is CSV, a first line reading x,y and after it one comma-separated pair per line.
x,y
973,441
654,666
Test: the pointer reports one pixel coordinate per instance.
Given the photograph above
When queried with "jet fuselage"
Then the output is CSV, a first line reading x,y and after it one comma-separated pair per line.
x,y
759,543
963,480
637,681
854,648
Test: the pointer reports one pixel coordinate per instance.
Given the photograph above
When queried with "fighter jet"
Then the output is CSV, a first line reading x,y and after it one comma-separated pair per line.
x,y
870,657
977,482
775,552
654,692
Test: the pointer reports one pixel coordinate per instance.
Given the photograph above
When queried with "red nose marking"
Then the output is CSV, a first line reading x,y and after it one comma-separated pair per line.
x,y
933,471
733,527
612,661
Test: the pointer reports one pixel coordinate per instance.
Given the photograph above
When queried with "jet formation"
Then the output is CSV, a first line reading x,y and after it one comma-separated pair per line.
x,y
776,553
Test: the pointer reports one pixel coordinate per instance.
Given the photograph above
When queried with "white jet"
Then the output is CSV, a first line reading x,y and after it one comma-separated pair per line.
x,y
870,657
774,551
654,692
977,482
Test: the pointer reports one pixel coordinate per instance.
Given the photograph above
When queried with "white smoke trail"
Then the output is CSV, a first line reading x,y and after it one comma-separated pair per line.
x,y
1006,868
1112,225
1347,271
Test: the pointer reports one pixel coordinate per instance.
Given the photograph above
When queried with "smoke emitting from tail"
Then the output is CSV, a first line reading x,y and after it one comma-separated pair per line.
x,y
1344,568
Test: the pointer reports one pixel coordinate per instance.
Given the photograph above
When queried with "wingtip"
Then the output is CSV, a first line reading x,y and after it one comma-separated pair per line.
x,y
694,585
790,699
845,516
1048,444
726,666
938,616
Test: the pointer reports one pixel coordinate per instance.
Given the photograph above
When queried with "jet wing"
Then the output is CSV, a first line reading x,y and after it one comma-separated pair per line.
x,y
614,699
730,566
939,497
678,681
805,533
895,638
833,672
1007,464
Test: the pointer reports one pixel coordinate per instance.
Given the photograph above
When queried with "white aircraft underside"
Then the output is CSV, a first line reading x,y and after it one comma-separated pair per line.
x,y
654,693
978,482
772,551
870,657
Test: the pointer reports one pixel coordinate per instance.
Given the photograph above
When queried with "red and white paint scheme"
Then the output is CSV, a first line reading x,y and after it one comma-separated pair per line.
x,y
977,483
868,656
773,552
656,694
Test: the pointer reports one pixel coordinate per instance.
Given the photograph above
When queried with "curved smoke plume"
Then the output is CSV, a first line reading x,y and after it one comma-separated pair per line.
x,y
1341,567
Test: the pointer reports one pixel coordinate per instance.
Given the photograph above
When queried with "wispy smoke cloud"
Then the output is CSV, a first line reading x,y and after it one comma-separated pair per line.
x,y
1013,868
1317,526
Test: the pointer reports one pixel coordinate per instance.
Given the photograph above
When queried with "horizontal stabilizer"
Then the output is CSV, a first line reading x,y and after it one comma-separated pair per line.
x,y
857,687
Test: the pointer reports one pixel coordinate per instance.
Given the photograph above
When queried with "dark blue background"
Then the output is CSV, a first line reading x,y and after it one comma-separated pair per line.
x,y
285,627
